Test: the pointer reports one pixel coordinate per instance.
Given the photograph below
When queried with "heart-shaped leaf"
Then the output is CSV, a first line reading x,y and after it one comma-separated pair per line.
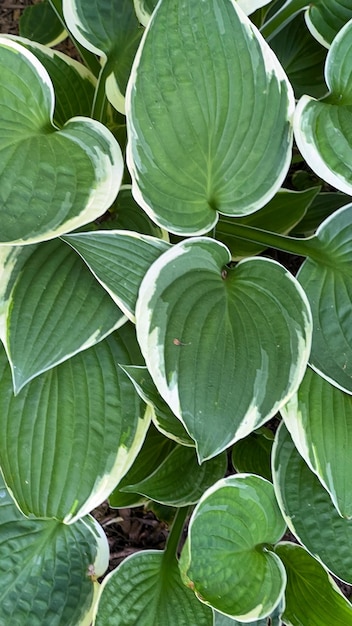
x,y
308,510
319,419
208,62
144,591
327,281
51,181
45,568
51,307
227,559
316,604
225,347
72,433
323,127
114,36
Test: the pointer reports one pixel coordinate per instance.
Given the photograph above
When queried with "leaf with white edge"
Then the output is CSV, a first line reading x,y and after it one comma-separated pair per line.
x,y
308,510
249,6
323,205
197,318
163,418
319,419
110,30
328,285
45,568
192,92
180,480
144,10
283,212
119,260
154,450
145,590
51,181
128,215
323,127
51,307
312,597
74,85
73,432
228,558
253,453
274,619
40,23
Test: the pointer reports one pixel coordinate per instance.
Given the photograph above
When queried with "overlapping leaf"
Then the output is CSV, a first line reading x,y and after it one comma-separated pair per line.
x,y
44,568
225,347
71,434
253,453
308,510
319,418
200,141
144,591
51,307
227,559
51,181
323,127
274,619
40,23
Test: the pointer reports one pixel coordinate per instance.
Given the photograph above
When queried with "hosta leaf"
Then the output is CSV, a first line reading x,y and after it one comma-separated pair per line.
x,y
45,567
74,85
227,559
119,261
308,510
40,23
323,127
283,212
253,453
144,10
328,285
51,308
162,416
164,484
154,450
323,205
311,595
198,100
130,216
274,619
210,344
319,418
110,30
52,181
72,433
144,591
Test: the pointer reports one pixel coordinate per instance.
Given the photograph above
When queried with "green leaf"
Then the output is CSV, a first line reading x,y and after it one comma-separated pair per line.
x,y
166,486
308,510
154,450
51,181
311,595
110,30
51,308
162,416
45,566
210,344
274,619
72,433
130,216
328,285
323,128
283,212
323,205
119,260
144,10
143,591
228,560
252,454
206,59
319,419
40,23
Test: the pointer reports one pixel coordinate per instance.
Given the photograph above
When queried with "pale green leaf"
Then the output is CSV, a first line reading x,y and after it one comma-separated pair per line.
x,y
308,510
40,23
274,619
226,347
72,433
51,181
319,419
228,560
200,142
51,307
142,591
312,597
45,568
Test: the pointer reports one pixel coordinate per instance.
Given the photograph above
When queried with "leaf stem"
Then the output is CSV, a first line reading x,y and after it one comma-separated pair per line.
x,y
175,534
285,14
100,99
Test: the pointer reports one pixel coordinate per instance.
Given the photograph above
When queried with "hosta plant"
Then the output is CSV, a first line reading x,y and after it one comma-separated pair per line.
x,y
156,343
